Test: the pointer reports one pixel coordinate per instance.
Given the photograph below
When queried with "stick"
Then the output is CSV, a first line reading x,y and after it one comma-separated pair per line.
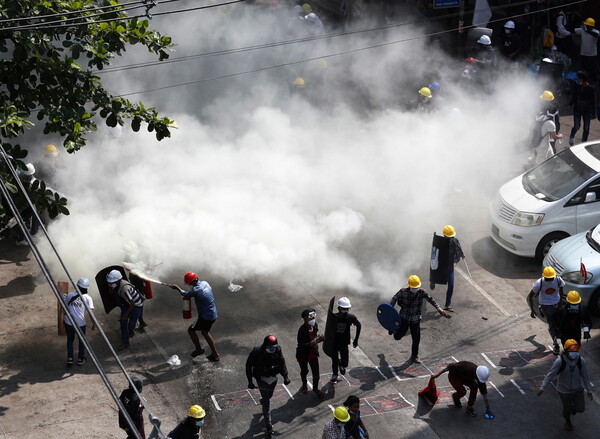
x,y
467,267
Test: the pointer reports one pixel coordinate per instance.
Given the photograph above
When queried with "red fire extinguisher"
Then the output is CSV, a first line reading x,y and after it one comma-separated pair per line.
x,y
187,307
148,289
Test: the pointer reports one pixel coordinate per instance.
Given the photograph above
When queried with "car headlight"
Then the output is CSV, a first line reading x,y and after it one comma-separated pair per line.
x,y
575,277
527,219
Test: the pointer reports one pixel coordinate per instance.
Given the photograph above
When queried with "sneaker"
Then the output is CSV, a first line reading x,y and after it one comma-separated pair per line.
x,y
69,362
334,379
197,352
456,400
571,141
131,333
342,370
212,357
471,411
415,359
80,362
269,428
143,324
304,390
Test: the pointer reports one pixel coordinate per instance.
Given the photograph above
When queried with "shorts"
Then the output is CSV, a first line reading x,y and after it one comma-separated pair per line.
x,y
203,325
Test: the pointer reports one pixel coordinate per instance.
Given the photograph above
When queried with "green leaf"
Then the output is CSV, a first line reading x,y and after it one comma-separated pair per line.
x,y
111,120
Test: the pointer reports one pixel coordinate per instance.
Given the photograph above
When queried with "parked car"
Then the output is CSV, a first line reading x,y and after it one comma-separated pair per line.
x,y
556,199
566,258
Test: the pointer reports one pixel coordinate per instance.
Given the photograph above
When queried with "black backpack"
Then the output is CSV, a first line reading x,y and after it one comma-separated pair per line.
x,y
563,364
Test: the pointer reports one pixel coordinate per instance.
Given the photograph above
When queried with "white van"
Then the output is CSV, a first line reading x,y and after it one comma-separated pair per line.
x,y
556,199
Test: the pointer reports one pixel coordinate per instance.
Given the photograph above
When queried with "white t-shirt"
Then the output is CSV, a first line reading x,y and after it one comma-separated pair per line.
x,y
77,308
588,42
549,292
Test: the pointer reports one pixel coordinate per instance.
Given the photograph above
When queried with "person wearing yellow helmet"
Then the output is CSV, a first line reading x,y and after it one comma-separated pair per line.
x,y
589,47
190,427
335,428
47,166
549,291
410,301
573,377
571,318
455,254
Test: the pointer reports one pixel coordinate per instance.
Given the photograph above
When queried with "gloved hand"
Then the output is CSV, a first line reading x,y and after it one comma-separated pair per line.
x,y
286,381
251,385
586,335
355,344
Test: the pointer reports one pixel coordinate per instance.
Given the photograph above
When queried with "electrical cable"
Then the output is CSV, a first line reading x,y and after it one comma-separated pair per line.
x,y
44,268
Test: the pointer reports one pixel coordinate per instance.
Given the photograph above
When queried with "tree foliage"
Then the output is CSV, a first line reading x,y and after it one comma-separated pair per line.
x,y
47,64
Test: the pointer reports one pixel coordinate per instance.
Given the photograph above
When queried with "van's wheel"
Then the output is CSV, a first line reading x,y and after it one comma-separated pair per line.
x,y
546,244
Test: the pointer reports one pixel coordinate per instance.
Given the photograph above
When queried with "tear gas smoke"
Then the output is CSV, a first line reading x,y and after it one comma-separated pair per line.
x,y
339,189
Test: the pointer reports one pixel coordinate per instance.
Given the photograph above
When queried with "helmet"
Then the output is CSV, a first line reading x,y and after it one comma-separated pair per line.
x,y
483,374
435,86
298,82
471,60
571,345
114,276
196,412
549,273
573,297
306,8
30,169
449,231
341,414
270,340
50,149
485,40
83,282
189,277
344,302
414,281
547,96
589,22
311,17
509,24
137,382
424,91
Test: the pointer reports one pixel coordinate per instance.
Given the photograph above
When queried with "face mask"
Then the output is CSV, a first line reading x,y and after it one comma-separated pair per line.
x,y
200,423
351,412
112,285
507,31
312,322
270,350
414,290
344,310
573,355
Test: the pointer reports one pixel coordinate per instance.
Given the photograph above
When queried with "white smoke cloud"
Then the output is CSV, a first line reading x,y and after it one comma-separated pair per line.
x,y
260,181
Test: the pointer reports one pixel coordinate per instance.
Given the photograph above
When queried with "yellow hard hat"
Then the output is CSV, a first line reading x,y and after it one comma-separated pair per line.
x,y
449,231
414,281
299,82
196,412
306,8
573,297
424,91
571,345
50,149
547,96
549,272
589,22
341,414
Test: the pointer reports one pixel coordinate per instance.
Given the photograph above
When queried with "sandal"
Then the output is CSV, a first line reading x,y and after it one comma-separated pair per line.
x,y
448,308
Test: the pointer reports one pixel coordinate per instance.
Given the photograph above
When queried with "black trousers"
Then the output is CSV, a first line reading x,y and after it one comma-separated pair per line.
x,y
314,367
340,358
415,333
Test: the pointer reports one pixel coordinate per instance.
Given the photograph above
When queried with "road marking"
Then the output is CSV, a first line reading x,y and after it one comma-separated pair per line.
x,y
381,373
488,360
374,409
483,292
214,400
494,386
250,393
517,386
288,391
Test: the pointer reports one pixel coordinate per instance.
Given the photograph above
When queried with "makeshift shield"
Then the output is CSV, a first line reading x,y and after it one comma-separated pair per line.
x,y
106,294
439,264
388,317
430,393
330,329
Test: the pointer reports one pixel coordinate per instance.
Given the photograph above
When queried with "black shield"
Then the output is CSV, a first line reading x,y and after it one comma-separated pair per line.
x,y
439,263
106,293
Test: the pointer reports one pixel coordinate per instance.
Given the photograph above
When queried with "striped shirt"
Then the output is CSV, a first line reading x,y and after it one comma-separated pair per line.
x,y
130,294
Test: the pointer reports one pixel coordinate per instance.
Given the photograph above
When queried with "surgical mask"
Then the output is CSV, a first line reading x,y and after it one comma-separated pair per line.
x,y
414,290
312,322
573,355
351,412
344,310
112,285
270,349
507,31
200,423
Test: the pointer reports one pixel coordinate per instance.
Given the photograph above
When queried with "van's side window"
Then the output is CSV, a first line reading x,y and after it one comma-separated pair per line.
x,y
579,198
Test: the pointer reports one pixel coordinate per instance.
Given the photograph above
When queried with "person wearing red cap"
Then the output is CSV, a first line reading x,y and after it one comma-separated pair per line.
x,y
207,313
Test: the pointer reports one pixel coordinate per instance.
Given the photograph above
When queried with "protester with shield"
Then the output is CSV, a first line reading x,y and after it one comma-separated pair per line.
x,y
445,253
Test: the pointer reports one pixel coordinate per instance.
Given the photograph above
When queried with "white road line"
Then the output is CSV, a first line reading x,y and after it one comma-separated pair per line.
x,y
454,358
381,373
483,292
214,400
331,407
517,386
288,391
394,372
406,400
374,409
488,360
494,386
253,400
524,359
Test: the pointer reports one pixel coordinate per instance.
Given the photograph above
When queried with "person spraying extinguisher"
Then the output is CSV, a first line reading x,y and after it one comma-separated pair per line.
x,y
207,312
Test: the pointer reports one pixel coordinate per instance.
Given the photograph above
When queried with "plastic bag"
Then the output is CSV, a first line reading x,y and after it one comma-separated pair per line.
x,y
174,361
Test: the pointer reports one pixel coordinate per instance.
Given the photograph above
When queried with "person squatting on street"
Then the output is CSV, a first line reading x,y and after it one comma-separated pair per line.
x,y
130,300
549,289
189,428
307,351
571,317
134,408
354,427
335,428
410,301
466,373
77,310
344,320
455,255
207,313
572,371
264,363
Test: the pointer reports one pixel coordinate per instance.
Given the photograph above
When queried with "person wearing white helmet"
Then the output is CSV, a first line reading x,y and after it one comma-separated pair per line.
x,y
27,177
130,300
76,305
344,320
314,25
466,373
511,42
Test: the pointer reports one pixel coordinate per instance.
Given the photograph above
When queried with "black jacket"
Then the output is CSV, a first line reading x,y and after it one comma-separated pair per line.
x,y
186,430
304,347
342,331
262,364
134,407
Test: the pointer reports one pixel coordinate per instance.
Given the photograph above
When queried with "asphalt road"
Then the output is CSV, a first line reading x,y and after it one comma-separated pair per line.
x,y
491,326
